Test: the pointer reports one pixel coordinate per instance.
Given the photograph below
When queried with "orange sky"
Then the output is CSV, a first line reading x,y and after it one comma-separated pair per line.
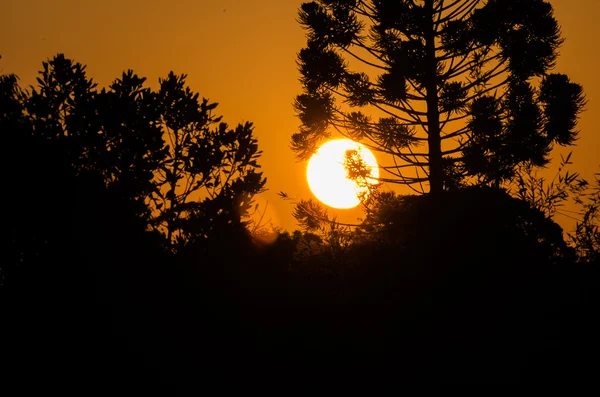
x,y
241,54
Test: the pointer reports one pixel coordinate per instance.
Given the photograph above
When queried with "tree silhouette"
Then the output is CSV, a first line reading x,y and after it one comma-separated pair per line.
x,y
128,256
113,133
445,90
208,176
82,171
160,154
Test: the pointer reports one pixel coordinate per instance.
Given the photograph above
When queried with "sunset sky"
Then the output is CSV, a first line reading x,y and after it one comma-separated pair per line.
x,y
241,54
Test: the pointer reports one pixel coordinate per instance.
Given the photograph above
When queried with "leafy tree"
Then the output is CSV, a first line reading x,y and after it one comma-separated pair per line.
x,y
548,196
208,176
113,133
81,170
445,90
128,143
586,237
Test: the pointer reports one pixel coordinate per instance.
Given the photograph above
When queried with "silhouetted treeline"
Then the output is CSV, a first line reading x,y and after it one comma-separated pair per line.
x,y
107,291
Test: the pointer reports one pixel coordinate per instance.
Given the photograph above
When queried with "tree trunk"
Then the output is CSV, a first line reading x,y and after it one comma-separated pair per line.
x,y
436,175
173,214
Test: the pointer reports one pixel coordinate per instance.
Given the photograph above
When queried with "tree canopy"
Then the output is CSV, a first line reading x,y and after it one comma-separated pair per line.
x,y
446,91
162,154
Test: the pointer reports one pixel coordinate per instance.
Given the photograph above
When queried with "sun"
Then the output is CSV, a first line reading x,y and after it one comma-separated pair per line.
x,y
327,176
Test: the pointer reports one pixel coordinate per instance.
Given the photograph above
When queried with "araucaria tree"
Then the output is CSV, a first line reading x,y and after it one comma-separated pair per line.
x,y
447,91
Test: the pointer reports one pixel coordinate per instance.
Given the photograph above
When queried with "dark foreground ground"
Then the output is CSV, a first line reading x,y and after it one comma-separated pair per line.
x,y
158,333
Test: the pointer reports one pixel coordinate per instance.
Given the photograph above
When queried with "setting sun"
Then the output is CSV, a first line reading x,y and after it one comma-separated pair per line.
x,y
327,176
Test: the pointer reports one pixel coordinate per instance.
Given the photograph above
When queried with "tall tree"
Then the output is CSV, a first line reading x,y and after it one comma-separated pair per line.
x,y
468,80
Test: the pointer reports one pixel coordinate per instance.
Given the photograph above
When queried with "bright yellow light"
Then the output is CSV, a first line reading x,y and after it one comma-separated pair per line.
x,y
327,175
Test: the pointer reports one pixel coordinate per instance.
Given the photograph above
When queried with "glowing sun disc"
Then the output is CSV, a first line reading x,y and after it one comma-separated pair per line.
x,y
326,173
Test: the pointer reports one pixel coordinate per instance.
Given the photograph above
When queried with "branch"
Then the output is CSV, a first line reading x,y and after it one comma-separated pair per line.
x,y
449,6
474,47
494,87
373,52
461,69
362,60
465,9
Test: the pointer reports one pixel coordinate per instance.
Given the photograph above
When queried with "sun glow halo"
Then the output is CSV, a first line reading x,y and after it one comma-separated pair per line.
x,y
327,176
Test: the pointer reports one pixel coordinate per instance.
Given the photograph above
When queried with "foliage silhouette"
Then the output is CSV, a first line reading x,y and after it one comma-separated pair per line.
x,y
96,298
586,237
85,275
549,196
73,234
480,307
208,176
467,80
157,149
